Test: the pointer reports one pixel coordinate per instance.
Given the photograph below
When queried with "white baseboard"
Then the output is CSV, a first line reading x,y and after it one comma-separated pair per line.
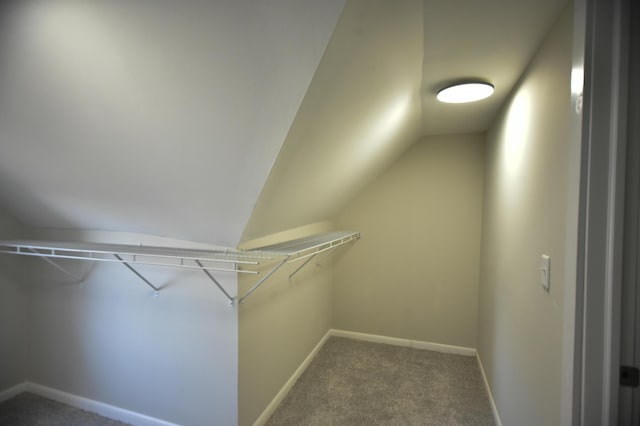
x,y
264,417
13,391
436,347
100,408
494,408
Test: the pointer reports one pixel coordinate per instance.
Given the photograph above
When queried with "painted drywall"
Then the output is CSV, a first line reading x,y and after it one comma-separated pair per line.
x,y
414,272
520,325
172,357
13,317
141,116
362,110
280,324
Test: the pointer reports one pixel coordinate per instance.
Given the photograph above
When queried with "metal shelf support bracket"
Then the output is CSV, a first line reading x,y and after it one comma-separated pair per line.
x,y
212,278
60,268
156,290
303,265
263,279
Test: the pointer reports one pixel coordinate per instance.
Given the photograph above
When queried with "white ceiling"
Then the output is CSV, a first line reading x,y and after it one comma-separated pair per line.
x,y
373,95
166,117
492,40
161,117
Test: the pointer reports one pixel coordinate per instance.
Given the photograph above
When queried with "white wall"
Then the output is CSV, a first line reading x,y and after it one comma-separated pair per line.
x,y
173,357
520,330
13,317
414,272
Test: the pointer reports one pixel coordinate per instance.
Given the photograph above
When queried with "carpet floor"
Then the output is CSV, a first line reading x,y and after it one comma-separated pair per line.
x,y
352,382
348,383
28,409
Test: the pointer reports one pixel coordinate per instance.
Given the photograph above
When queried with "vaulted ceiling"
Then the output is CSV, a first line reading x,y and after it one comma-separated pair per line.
x,y
181,119
160,117
373,95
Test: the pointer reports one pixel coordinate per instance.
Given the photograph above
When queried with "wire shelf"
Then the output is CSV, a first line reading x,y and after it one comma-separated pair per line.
x,y
216,260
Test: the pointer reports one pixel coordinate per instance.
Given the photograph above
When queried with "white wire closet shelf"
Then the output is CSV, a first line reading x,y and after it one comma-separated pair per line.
x,y
209,261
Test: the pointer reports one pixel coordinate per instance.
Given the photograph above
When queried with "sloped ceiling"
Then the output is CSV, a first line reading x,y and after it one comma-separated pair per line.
x,y
361,111
491,40
374,95
161,117
167,117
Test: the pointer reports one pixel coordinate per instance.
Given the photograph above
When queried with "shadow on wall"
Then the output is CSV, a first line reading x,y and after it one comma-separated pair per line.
x,y
11,189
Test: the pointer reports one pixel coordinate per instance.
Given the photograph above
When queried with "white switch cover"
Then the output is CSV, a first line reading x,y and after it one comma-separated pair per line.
x,y
545,270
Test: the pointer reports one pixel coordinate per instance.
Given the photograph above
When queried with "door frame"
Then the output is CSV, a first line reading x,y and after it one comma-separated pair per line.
x,y
602,132
629,398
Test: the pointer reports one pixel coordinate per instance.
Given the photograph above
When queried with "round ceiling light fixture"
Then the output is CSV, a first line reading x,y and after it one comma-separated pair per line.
x,y
461,93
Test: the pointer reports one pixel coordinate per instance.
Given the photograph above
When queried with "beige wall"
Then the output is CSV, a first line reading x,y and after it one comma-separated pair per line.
x,y
13,318
361,111
525,215
414,272
280,324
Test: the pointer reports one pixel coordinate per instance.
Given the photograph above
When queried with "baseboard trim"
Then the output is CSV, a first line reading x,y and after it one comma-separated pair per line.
x,y
418,344
100,408
266,414
494,408
13,391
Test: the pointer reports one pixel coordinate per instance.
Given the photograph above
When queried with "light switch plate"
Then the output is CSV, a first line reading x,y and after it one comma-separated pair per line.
x,y
545,272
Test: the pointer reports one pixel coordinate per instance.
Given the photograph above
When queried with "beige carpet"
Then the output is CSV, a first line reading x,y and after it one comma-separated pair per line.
x,y
360,383
28,409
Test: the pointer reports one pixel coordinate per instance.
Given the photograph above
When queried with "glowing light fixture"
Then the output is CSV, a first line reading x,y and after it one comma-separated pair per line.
x,y
465,92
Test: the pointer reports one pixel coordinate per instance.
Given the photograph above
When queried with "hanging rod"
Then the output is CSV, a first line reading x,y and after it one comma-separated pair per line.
x,y
208,261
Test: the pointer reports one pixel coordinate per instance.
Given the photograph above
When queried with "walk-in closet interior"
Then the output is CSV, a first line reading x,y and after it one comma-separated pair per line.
x,y
195,196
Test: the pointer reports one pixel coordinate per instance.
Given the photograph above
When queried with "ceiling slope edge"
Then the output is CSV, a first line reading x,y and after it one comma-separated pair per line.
x,y
361,111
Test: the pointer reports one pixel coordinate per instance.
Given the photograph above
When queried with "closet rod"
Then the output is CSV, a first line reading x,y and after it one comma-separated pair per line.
x,y
136,261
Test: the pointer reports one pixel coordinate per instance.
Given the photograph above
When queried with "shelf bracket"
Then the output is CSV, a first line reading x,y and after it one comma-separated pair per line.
x,y
303,265
58,267
263,279
212,278
156,290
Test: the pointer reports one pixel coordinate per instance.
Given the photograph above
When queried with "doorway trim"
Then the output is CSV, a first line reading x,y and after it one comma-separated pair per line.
x,y
601,211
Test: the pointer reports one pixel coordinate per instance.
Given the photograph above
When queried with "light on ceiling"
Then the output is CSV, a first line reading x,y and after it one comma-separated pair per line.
x,y
465,92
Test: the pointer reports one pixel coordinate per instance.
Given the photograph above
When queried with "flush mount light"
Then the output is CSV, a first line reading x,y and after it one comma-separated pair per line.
x,y
465,92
